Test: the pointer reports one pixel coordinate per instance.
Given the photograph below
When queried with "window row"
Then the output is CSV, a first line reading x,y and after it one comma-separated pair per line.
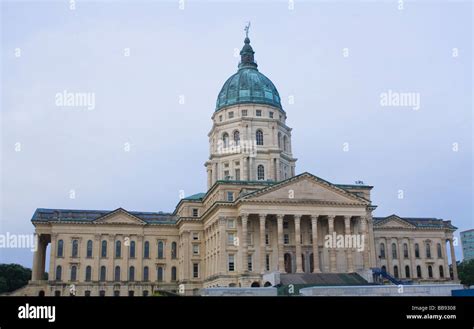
x,y
118,249
418,271
236,138
258,113
117,274
405,250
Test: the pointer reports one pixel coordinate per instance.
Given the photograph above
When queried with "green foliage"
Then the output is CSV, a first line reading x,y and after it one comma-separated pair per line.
x,y
13,276
466,272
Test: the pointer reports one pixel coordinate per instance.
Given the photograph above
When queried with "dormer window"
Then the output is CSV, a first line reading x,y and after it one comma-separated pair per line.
x,y
244,113
231,115
270,115
258,113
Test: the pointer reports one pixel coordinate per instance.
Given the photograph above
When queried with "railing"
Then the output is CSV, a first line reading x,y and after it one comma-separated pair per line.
x,y
382,273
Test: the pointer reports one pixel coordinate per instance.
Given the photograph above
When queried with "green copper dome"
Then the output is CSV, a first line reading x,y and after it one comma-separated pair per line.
x,y
248,85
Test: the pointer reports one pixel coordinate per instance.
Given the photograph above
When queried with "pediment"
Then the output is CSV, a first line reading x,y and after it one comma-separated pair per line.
x,y
304,188
119,216
394,221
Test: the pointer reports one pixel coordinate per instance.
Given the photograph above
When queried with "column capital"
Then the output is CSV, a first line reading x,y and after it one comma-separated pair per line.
x,y
262,216
314,217
297,216
244,215
280,216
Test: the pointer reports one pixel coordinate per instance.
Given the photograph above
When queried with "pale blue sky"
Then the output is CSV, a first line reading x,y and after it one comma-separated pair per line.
x,y
190,52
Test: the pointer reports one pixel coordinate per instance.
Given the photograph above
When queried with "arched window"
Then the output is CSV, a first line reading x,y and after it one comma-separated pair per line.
x,y
117,273
88,273
102,273
430,271
60,248
118,249
394,251
260,172
382,250
75,248
418,271
173,273
132,249
237,137
103,252
285,143
407,271
395,271
440,252
160,274
417,250
428,250
259,137
89,249
174,250
146,251
145,274
441,271
160,250
131,273
279,141
225,139
59,271
73,273
405,250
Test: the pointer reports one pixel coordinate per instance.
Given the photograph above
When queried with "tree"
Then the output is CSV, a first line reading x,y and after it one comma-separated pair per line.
x,y
13,276
466,272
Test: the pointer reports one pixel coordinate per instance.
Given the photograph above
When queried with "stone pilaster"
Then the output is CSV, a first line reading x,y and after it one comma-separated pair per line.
x,y
453,260
244,243
262,243
332,250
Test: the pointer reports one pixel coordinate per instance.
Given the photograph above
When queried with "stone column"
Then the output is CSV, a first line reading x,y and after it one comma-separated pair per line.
x,y
388,254
453,260
281,258
244,243
37,259
445,259
299,268
262,243
350,263
110,272
332,250
401,258
314,231
411,248
252,169
365,252
52,257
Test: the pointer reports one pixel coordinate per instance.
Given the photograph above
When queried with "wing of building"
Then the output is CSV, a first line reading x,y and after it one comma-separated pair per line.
x,y
257,217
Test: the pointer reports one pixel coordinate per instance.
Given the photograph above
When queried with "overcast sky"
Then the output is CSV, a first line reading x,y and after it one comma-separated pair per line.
x,y
146,138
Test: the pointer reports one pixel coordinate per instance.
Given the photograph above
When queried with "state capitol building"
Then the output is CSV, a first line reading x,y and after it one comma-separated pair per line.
x,y
256,217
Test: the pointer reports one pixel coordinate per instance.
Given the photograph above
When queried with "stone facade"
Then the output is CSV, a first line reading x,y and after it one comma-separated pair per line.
x,y
256,217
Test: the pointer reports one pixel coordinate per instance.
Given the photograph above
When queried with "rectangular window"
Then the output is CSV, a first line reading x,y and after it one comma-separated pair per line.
x,y
237,174
230,196
220,118
230,239
258,113
285,224
267,239
249,263
231,115
267,262
230,223
286,239
271,115
195,249
311,238
226,175
231,263
237,163
195,212
244,113
249,238
195,270
195,236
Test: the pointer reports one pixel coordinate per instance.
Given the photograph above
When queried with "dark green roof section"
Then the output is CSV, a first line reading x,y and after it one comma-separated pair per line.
x,y
77,215
197,196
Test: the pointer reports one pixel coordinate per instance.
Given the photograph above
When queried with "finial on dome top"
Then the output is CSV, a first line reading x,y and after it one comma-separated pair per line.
x,y
246,54
246,29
